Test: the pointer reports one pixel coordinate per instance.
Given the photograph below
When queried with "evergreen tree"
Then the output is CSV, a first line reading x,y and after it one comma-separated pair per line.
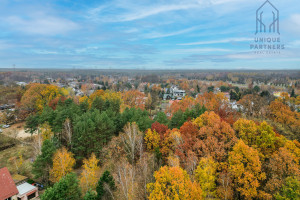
x,y
102,191
92,130
90,195
141,117
161,117
293,93
66,189
43,162
177,120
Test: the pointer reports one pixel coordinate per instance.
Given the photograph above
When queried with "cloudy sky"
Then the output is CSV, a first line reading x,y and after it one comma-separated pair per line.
x,y
139,34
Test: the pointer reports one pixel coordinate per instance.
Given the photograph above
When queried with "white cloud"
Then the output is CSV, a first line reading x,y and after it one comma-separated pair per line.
x,y
130,11
160,35
227,40
143,13
292,24
42,25
196,50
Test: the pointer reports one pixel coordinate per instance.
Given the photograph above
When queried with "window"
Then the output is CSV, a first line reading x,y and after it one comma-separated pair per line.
x,y
31,196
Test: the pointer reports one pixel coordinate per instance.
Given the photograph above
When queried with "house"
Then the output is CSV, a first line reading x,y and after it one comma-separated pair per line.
x,y
27,191
21,83
8,189
16,188
174,93
167,97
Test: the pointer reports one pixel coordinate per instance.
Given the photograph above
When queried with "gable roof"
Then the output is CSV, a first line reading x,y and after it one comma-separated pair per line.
x,y
7,185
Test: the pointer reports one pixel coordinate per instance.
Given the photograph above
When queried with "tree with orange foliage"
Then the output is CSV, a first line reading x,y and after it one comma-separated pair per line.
x,y
63,163
281,113
189,132
173,183
253,105
171,141
86,87
39,95
215,137
245,167
89,176
185,103
282,165
211,101
134,99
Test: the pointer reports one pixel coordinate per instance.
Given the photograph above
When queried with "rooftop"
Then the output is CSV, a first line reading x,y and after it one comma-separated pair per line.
x,y
25,188
7,185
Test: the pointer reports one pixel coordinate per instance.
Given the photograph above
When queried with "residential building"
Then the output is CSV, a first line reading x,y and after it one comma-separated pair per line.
x,y
8,189
17,188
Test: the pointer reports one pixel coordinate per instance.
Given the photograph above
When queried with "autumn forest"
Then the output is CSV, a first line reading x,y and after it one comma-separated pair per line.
x,y
123,140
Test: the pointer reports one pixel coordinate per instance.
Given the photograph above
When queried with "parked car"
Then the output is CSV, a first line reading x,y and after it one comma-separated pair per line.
x,y
1,130
40,186
6,126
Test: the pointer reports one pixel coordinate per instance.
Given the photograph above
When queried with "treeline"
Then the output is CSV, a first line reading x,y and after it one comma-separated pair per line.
x,y
199,149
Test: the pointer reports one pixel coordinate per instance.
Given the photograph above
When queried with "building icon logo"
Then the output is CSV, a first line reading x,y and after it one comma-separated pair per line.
x,y
267,18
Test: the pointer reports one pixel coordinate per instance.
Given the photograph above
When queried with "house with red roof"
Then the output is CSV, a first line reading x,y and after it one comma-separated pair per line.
x,y
10,191
8,188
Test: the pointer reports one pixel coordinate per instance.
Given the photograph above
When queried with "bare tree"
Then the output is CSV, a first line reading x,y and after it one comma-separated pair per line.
x,y
37,142
126,179
133,141
67,132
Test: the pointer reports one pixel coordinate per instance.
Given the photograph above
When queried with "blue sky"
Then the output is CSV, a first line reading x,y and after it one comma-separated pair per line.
x,y
154,34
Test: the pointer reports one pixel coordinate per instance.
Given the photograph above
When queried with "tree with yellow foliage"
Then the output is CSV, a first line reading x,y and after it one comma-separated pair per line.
x,y
39,95
89,178
152,139
206,176
63,163
83,99
246,170
173,183
46,131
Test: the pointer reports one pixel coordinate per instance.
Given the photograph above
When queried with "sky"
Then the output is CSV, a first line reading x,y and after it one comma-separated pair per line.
x,y
140,34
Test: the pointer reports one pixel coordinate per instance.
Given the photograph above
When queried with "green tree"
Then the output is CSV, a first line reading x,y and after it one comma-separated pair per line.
x,y
141,117
43,162
293,93
177,120
90,195
161,117
210,89
224,88
256,88
66,189
92,130
290,190
108,180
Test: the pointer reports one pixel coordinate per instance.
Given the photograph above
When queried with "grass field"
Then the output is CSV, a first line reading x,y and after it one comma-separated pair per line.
x,y
18,158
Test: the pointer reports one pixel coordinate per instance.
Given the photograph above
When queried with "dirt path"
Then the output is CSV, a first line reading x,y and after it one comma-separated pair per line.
x,y
16,131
